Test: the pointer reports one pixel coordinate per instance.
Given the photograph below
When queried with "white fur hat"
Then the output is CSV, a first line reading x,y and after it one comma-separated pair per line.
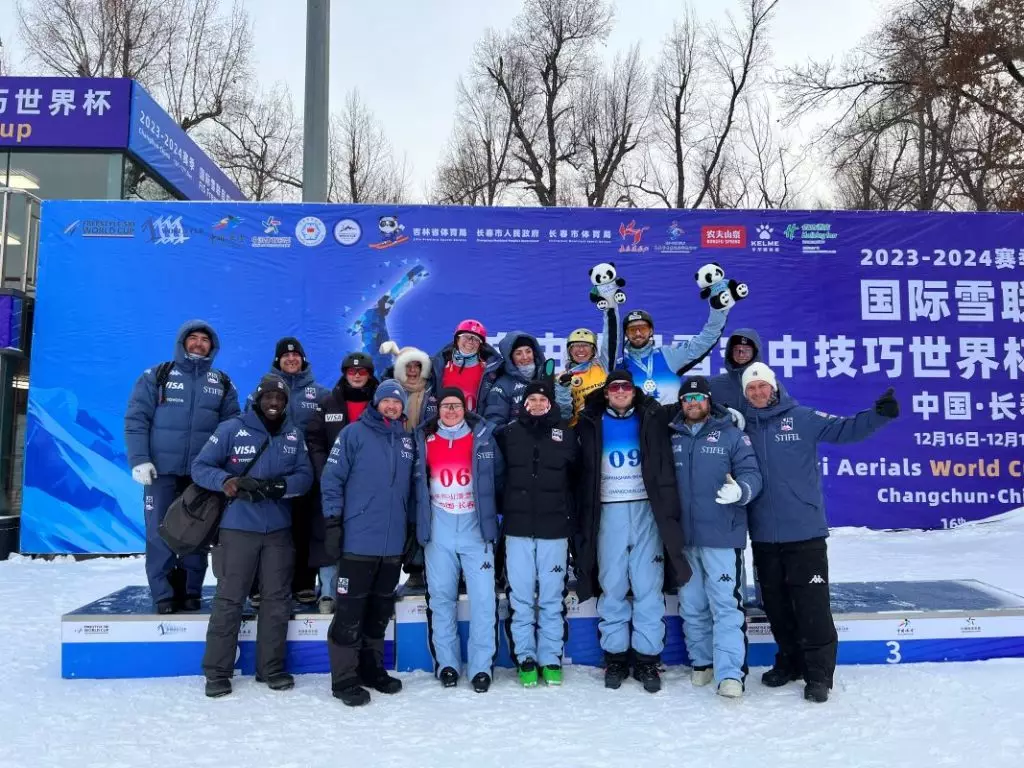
x,y
759,372
405,355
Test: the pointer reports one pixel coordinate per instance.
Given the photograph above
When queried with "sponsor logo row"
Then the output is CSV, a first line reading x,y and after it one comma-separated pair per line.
x,y
312,231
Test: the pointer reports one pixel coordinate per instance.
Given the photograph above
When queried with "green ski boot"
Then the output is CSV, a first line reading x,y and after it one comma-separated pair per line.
x,y
528,673
552,674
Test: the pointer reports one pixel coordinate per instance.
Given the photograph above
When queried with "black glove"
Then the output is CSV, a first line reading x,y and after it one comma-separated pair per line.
x,y
565,379
332,538
274,489
412,552
250,489
887,406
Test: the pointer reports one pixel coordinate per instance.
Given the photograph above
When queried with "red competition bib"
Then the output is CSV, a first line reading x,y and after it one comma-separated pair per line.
x,y
450,466
466,378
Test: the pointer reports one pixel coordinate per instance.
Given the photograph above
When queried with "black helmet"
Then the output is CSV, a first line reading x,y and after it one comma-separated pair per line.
x,y
636,316
357,360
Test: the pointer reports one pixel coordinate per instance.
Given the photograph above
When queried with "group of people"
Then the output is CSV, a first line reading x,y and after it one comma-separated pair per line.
x,y
486,466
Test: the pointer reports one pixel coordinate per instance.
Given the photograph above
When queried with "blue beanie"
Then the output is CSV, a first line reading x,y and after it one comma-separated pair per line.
x,y
390,388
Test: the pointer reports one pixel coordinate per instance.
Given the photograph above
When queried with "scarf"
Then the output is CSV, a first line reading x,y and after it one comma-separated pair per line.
x,y
414,408
460,359
453,433
527,371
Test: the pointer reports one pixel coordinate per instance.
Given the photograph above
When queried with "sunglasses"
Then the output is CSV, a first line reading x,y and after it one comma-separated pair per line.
x,y
620,387
694,397
452,407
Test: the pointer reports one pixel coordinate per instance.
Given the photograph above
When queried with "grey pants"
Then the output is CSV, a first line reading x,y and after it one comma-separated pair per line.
x,y
236,558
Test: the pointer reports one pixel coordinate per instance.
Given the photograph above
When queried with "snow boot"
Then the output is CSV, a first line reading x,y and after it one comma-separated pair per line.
x,y
218,687
191,604
352,695
373,675
552,674
279,681
816,692
701,676
616,669
776,677
415,581
306,596
646,670
165,607
528,673
325,605
481,682
449,678
730,689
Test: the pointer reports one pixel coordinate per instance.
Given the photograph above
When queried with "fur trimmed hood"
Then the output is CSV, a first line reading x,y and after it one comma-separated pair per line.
x,y
405,355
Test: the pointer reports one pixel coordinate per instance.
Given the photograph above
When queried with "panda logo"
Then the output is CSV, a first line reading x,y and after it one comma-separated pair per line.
x,y
607,285
391,233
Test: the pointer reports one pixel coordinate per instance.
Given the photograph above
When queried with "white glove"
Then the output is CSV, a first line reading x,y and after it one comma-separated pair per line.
x,y
730,492
144,474
737,418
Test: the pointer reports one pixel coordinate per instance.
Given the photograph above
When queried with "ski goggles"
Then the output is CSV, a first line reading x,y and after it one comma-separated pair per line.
x,y
358,371
694,397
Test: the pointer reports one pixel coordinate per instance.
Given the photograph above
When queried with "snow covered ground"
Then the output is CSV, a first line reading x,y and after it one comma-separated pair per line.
x,y
892,716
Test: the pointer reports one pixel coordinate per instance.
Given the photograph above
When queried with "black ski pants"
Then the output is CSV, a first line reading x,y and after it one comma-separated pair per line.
x,y
794,592
363,606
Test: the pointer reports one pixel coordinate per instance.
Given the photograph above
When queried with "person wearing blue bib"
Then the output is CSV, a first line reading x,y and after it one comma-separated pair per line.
x,y
629,509
657,369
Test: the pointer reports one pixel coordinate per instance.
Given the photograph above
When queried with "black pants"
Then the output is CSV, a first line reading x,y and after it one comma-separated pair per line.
x,y
794,591
303,509
364,604
236,558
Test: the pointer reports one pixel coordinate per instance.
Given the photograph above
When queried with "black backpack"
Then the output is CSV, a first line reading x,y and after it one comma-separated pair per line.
x,y
163,372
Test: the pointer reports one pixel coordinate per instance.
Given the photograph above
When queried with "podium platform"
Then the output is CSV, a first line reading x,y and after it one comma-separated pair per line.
x,y
120,636
894,622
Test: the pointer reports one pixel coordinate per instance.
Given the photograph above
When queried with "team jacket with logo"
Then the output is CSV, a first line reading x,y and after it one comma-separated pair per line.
x,y
488,475
305,396
326,423
540,460
702,461
169,432
232,448
785,437
368,483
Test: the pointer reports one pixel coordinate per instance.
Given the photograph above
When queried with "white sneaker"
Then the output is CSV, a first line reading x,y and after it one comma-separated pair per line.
x,y
730,689
325,605
701,677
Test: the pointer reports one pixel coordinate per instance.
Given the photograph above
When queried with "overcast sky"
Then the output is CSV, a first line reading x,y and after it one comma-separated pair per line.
x,y
405,56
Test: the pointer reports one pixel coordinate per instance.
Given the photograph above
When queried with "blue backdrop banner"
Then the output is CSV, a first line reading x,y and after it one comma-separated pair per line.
x,y
847,304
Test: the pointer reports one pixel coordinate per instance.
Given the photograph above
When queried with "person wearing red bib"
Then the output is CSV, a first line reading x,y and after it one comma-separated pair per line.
x,y
458,476
468,364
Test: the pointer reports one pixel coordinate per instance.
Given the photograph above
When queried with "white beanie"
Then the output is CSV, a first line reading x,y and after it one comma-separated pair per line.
x,y
759,372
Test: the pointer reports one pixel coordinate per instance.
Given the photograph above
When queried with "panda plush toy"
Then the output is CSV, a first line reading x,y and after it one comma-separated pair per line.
x,y
607,285
721,293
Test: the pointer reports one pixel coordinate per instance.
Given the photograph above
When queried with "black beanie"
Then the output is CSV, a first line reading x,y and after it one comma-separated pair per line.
x,y
619,375
271,382
540,387
286,345
451,392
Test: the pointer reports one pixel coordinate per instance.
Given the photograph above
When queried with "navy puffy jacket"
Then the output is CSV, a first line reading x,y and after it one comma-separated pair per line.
x,y
367,481
304,395
492,360
702,461
488,477
171,433
785,437
505,399
231,448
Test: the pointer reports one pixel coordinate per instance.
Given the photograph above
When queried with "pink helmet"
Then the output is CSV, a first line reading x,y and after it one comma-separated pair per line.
x,y
472,326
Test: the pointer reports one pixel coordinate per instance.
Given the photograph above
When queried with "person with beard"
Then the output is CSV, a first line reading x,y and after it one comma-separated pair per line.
x,y
788,527
658,368
173,409
342,406
290,364
717,476
629,521
367,486
469,364
540,454
524,363
254,533
458,476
